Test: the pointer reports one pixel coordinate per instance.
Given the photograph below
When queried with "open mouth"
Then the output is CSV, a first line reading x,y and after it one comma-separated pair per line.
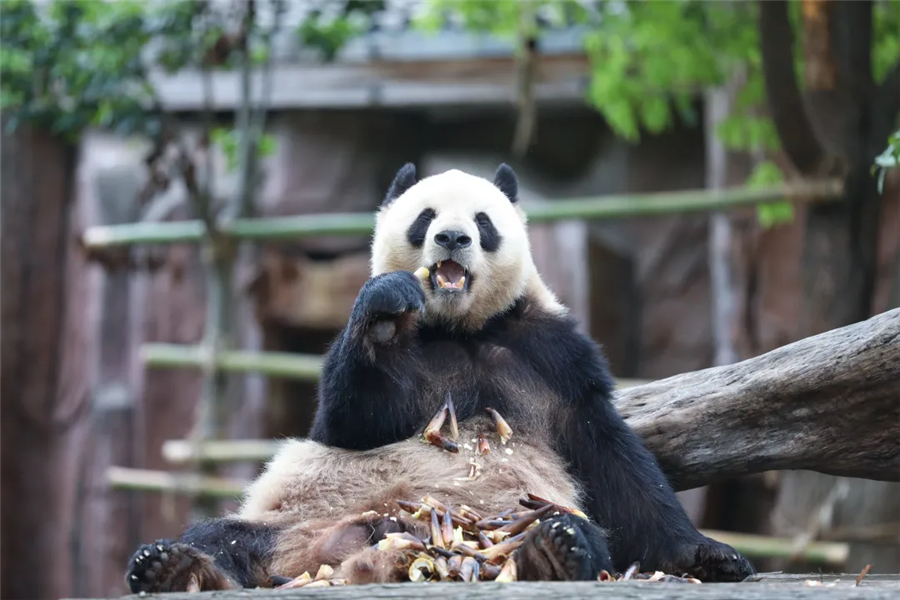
x,y
449,276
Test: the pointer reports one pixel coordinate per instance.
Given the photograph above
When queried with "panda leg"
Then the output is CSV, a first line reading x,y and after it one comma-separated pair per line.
x,y
564,548
217,554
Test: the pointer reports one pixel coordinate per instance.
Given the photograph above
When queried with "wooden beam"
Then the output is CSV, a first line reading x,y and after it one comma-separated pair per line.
x,y
288,365
180,452
840,586
302,367
180,483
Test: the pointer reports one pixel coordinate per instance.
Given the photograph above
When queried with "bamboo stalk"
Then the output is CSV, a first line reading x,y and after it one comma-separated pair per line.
x,y
191,484
303,367
180,452
603,207
289,365
761,546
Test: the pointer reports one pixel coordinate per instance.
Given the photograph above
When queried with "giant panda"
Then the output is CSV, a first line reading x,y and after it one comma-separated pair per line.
x,y
484,328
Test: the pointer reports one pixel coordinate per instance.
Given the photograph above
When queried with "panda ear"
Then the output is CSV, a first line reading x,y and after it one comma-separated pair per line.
x,y
505,179
403,180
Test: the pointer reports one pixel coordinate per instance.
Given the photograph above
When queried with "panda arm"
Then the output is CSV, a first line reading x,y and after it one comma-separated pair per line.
x,y
626,491
366,401
367,392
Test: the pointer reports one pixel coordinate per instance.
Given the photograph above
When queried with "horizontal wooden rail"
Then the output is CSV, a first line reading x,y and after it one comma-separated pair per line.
x,y
603,207
289,365
303,367
180,452
145,480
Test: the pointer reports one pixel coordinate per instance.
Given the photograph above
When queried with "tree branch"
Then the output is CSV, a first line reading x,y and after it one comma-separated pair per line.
x,y
785,102
827,403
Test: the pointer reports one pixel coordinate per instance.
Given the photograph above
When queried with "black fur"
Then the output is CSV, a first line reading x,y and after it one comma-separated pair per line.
x,y
365,375
372,395
403,180
505,179
416,232
490,237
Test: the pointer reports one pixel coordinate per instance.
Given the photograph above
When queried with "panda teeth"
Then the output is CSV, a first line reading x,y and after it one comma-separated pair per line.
x,y
441,281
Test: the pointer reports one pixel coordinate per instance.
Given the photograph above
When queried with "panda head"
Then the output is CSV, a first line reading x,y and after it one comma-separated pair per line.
x,y
469,232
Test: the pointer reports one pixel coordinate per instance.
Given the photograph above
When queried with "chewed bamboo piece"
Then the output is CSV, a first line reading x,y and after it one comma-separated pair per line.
x,y
432,432
503,428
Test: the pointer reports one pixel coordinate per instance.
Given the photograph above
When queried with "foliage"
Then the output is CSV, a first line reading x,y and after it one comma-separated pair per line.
x,y
650,60
74,64
767,173
330,25
228,140
889,159
82,62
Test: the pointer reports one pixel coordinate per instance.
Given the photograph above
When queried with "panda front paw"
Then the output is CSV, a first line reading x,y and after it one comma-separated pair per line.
x,y
164,566
387,305
563,548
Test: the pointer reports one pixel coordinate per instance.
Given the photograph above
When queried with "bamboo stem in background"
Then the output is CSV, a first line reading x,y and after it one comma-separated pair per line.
x,y
303,367
289,365
602,207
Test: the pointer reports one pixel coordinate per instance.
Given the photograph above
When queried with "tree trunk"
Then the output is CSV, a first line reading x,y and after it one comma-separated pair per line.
x,y
717,106
45,350
842,125
108,519
827,403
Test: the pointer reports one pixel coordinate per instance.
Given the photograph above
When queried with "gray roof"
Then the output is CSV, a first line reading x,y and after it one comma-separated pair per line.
x,y
369,70
393,36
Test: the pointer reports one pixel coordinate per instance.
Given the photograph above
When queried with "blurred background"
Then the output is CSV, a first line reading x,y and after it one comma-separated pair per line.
x,y
179,177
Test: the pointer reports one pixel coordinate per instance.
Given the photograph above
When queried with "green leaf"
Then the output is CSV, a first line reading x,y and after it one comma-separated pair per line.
x,y
766,174
774,214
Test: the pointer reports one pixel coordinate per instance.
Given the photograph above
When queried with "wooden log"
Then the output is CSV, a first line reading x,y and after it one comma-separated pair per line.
x,y
828,403
775,587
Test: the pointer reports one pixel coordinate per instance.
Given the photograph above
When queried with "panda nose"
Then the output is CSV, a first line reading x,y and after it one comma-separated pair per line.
x,y
451,240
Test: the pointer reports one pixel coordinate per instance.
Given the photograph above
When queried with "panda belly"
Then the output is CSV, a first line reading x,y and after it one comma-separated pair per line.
x,y
312,492
309,481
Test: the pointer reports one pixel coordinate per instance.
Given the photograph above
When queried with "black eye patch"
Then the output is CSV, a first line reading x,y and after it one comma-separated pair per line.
x,y
416,232
490,237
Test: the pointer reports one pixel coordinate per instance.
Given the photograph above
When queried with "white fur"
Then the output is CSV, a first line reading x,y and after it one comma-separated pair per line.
x,y
498,278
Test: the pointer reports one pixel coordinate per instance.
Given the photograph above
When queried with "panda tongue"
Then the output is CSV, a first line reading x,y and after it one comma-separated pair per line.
x,y
451,273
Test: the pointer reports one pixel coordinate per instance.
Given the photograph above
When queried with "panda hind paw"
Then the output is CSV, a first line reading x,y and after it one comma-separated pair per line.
x,y
564,548
164,566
